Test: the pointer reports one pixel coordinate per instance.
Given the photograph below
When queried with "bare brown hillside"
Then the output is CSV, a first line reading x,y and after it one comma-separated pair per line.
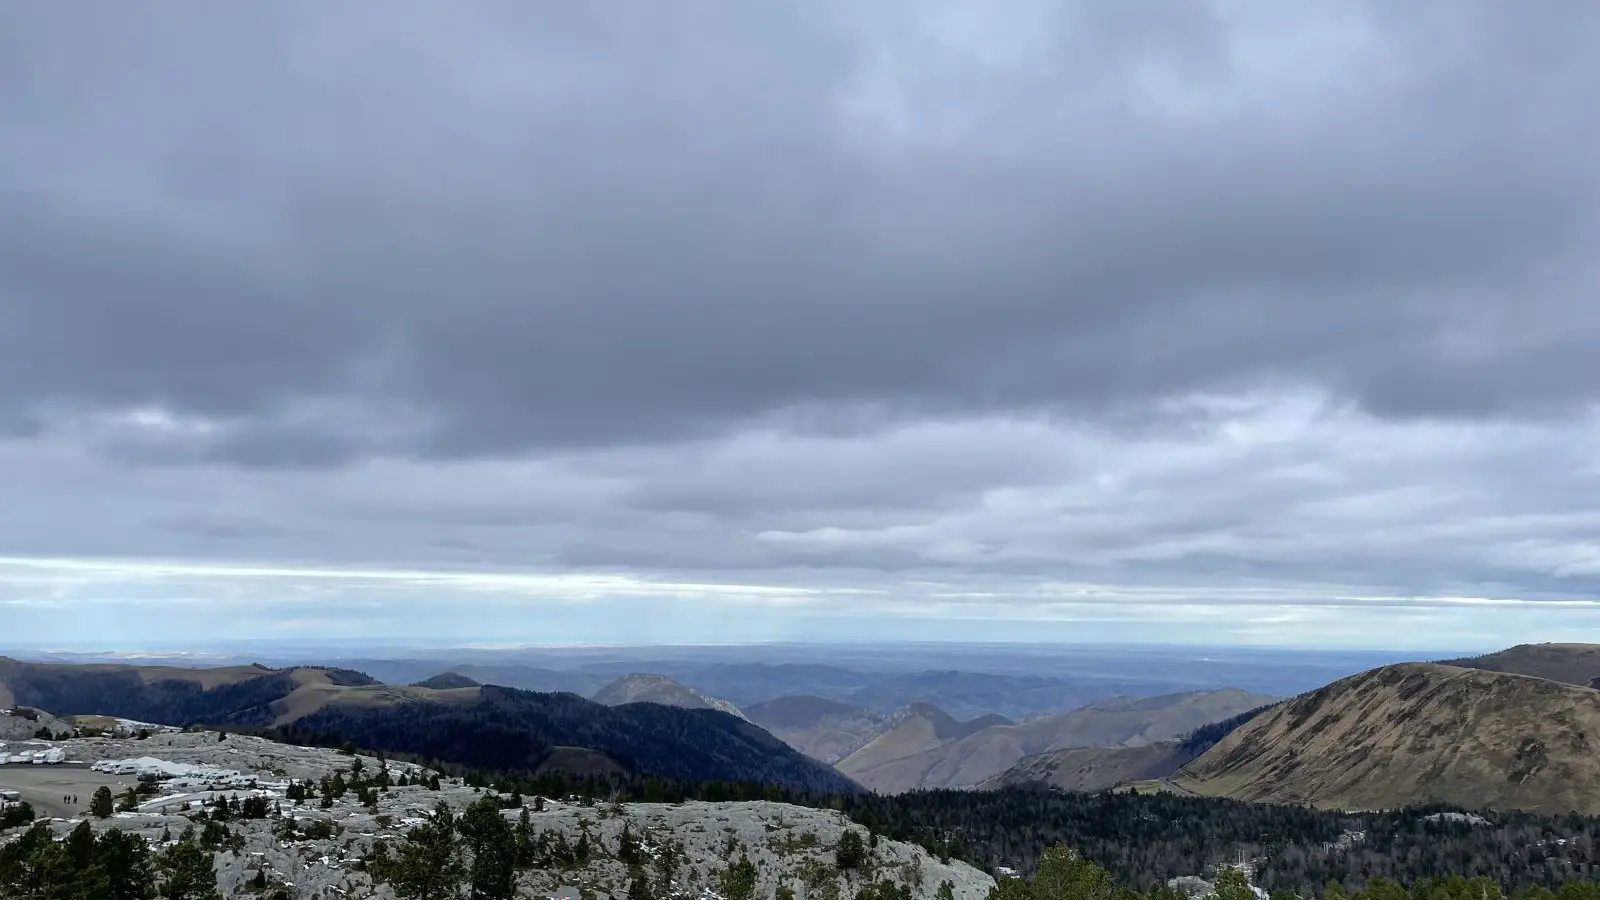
x,y
1577,664
822,729
919,755
647,688
1416,733
1091,769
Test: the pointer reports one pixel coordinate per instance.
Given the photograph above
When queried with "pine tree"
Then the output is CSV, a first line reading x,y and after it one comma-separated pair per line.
x,y
130,873
101,805
1063,874
1011,888
850,852
1233,885
627,846
191,873
428,865
80,846
493,872
738,881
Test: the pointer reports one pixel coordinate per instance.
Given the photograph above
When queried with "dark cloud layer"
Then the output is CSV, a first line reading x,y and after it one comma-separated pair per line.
x,y
533,225
1201,295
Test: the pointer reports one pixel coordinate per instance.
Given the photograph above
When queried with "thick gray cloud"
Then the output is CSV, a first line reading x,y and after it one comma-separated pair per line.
x,y
817,294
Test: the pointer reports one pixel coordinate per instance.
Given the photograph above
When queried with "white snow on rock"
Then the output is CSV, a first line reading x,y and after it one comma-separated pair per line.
x,y
161,768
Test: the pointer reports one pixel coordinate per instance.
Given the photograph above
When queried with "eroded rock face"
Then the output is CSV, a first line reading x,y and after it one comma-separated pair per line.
x,y
788,845
21,724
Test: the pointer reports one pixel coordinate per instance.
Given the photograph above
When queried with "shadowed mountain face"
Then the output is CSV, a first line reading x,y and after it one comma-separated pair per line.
x,y
967,695
505,674
1091,769
800,712
1416,733
823,729
923,748
487,727
447,681
1577,664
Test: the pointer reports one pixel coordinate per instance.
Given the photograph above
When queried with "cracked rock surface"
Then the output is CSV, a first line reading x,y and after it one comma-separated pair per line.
x,y
788,845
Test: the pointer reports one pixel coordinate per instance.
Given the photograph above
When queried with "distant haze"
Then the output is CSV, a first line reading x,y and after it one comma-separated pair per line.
x,y
550,322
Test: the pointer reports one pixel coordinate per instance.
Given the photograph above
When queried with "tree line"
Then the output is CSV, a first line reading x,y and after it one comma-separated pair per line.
x,y
112,865
1144,840
1063,873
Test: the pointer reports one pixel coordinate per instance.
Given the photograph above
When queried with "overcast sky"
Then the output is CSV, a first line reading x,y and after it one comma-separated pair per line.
x,y
1225,321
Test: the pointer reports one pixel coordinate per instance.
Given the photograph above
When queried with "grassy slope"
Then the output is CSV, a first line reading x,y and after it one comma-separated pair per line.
x,y
1416,733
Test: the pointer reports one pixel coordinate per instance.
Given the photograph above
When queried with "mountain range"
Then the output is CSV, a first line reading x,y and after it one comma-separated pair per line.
x,y
1091,769
964,694
486,727
820,728
923,748
1512,730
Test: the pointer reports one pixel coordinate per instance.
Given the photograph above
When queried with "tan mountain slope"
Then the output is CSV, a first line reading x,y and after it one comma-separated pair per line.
x,y
316,692
1093,769
822,729
1416,733
901,748
920,759
646,688
1577,664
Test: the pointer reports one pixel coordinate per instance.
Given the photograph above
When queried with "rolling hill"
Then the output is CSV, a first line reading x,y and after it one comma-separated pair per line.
x,y
897,754
967,695
1091,769
447,681
644,688
927,752
1416,733
823,729
487,727
1577,664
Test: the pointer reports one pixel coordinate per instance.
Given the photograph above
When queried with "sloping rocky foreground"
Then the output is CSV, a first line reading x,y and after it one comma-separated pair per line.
x,y
790,846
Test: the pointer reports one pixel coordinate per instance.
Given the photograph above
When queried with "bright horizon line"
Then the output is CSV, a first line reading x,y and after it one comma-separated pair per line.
x,y
219,648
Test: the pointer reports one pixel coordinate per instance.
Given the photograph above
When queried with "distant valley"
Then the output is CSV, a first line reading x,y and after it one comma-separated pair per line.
x,y
923,748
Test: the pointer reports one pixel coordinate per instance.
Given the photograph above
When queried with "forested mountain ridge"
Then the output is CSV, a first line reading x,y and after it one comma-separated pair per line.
x,y
487,727
512,731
